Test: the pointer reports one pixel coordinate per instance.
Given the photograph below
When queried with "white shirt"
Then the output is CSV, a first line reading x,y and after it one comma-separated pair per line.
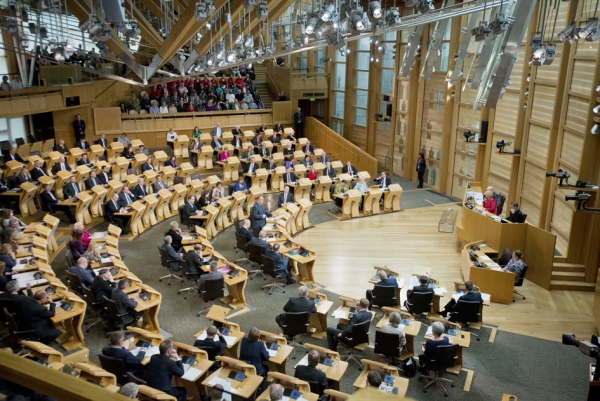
x,y
230,97
16,84
163,110
182,90
171,137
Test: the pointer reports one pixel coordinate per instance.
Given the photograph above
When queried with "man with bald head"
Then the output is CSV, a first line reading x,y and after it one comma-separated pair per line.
x,y
276,392
85,276
37,317
62,165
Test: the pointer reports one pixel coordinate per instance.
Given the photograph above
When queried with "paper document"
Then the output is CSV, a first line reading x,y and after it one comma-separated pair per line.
x,y
440,291
492,264
99,235
497,268
152,351
485,297
303,361
272,353
230,340
429,331
135,351
485,257
191,374
106,260
202,336
339,314
19,267
23,276
187,238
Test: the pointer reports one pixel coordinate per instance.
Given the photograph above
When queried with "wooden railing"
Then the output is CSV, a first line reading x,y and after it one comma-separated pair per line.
x,y
279,79
339,147
30,100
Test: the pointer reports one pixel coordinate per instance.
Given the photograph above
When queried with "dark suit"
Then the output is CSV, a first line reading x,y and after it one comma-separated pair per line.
x,y
451,308
172,257
216,144
17,301
346,330
295,305
84,162
330,172
158,186
61,149
217,345
71,189
57,167
36,317
92,182
421,166
420,289
308,149
189,210
176,243
388,282
208,276
351,171
251,167
260,243
516,217
125,306
83,145
104,179
291,177
86,277
246,233
102,142
139,191
388,182
299,123
111,208
101,288
147,167
256,217
283,199
22,178
50,204
194,262
312,374
254,353
123,199
132,363
36,173
264,152
159,373
79,126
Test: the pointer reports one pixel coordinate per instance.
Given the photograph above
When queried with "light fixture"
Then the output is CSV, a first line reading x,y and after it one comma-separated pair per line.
x,y
424,6
249,42
469,135
595,129
311,24
201,12
393,17
480,32
262,12
499,25
230,56
129,29
220,49
259,52
210,60
249,54
221,63
300,26
270,49
539,56
13,27
375,10
411,3
239,40
550,54
249,5
289,45
356,19
567,32
327,12
588,29
210,8
202,62
24,42
596,109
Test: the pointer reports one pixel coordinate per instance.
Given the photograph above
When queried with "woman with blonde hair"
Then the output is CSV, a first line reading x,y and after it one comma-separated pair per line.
x,y
93,253
489,203
269,204
15,237
7,256
176,235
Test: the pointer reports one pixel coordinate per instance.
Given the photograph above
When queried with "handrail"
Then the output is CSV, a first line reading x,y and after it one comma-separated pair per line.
x,y
272,80
30,91
196,114
310,74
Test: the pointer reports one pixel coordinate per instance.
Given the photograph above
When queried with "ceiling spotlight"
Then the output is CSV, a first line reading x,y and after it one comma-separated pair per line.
x,y
499,25
311,25
249,54
230,56
356,19
375,10
259,52
202,63
550,54
588,29
425,6
210,61
480,32
239,40
270,49
249,42
325,60
249,5
207,26
378,28
300,26
24,42
565,33
262,12
129,28
43,32
469,135
327,12
596,109
210,8
220,49
539,56
289,45
501,145
393,17
201,12
595,129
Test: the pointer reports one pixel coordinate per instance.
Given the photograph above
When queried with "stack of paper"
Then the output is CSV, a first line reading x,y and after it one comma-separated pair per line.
x,y
439,291
105,260
99,235
412,282
272,353
187,238
485,297
339,314
152,351
19,267
191,374
303,361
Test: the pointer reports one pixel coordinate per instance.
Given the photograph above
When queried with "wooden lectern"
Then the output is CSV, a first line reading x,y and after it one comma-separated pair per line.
x,y
178,198
74,155
119,169
149,217
95,152
230,169
277,183
237,205
322,189
302,222
163,209
350,204
259,179
371,200
116,148
168,175
223,220
180,146
159,158
13,168
205,158
391,198
186,169
303,188
99,193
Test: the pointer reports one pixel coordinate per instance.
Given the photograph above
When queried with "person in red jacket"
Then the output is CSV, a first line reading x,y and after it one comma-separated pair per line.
x,y
489,203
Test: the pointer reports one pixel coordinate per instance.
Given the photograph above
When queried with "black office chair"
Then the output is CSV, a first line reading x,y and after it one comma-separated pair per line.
x,y
112,313
505,257
69,256
236,223
14,334
74,283
520,279
230,189
191,278
466,313
269,270
384,295
443,357
96,307
131,378
168,260
184,220
388,345
360,335
240,243
316,388
256,253
524,218
420,303
179,180
114,366
213,289
195,176
295,323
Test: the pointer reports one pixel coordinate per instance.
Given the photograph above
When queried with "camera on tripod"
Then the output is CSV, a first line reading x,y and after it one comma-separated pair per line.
x,y
589,348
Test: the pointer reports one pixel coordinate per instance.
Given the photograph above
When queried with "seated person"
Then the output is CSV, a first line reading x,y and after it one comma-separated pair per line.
x,y
289,150
240,186
428,347
132,363
71,189
361,185
214,339
159,184
423,287
329,171
84,161
22,177
125,304
103,285
37,314
37,171
308,149
218,192
515,264
224,155
374,379
344,331
162,367
254,352
92,181
85,276
394,326
245,230
194,261
516,216
384,281
139,191
310,372
61,165
300,304
270,164
340,188
285,197
148,166
469,296
489,203
289,162
260,241
307,162
313,175
263,151
289,176
214,274
281,263
50,203
176,235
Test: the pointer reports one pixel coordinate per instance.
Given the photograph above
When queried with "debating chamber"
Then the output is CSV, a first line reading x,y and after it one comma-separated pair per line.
x,y
325,200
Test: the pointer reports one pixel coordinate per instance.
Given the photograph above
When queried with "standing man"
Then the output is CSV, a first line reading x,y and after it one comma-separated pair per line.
x,y
258,216
421,169
161,369
79,126
299,123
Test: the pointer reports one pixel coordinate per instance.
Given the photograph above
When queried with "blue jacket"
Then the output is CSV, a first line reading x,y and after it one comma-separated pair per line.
x,y
254,353
130,361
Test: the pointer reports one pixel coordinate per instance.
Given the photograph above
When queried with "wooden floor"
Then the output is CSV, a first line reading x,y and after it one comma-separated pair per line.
x,y
349,249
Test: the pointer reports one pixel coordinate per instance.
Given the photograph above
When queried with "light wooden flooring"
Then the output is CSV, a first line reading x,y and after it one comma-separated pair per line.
x,y
349,249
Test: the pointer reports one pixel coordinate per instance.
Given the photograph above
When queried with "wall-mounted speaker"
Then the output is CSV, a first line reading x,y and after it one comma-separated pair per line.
x,y
484,131
72,101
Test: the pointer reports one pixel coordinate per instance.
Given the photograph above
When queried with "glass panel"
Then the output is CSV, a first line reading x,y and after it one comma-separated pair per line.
x,y
361,98
338,104
363,44
387,81
362,80
441,63
339,57
360,117
340,76
388,58
338,126
390,36
362,61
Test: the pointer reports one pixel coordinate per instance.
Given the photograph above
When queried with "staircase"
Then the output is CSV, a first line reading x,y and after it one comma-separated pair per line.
x,y
262,88
569,277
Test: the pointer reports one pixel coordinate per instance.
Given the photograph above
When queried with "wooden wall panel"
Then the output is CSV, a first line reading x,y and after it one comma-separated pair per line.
x,y
571,149
500,185
500,165
433,117
533,183
550,72
543,103
537,146
459,186
359,136
532,211
505,119
562,213
108,120
583,74
577,114
588,49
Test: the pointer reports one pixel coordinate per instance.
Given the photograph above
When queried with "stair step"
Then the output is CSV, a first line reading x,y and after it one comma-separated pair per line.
x,y
572,286
567,267
560,259
568,276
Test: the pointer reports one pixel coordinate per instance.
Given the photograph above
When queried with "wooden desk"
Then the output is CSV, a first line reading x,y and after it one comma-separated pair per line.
x,y
71,321
245,388
192,382
277,183
153,394
114,151
302,264
52,357
180,146
499,284
237,205
277,362
384,370
371,201
334,372
289,382
375,279
335,395
230,169
217,314
96,375
322,188
350,203
391,198
149,308
318,321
